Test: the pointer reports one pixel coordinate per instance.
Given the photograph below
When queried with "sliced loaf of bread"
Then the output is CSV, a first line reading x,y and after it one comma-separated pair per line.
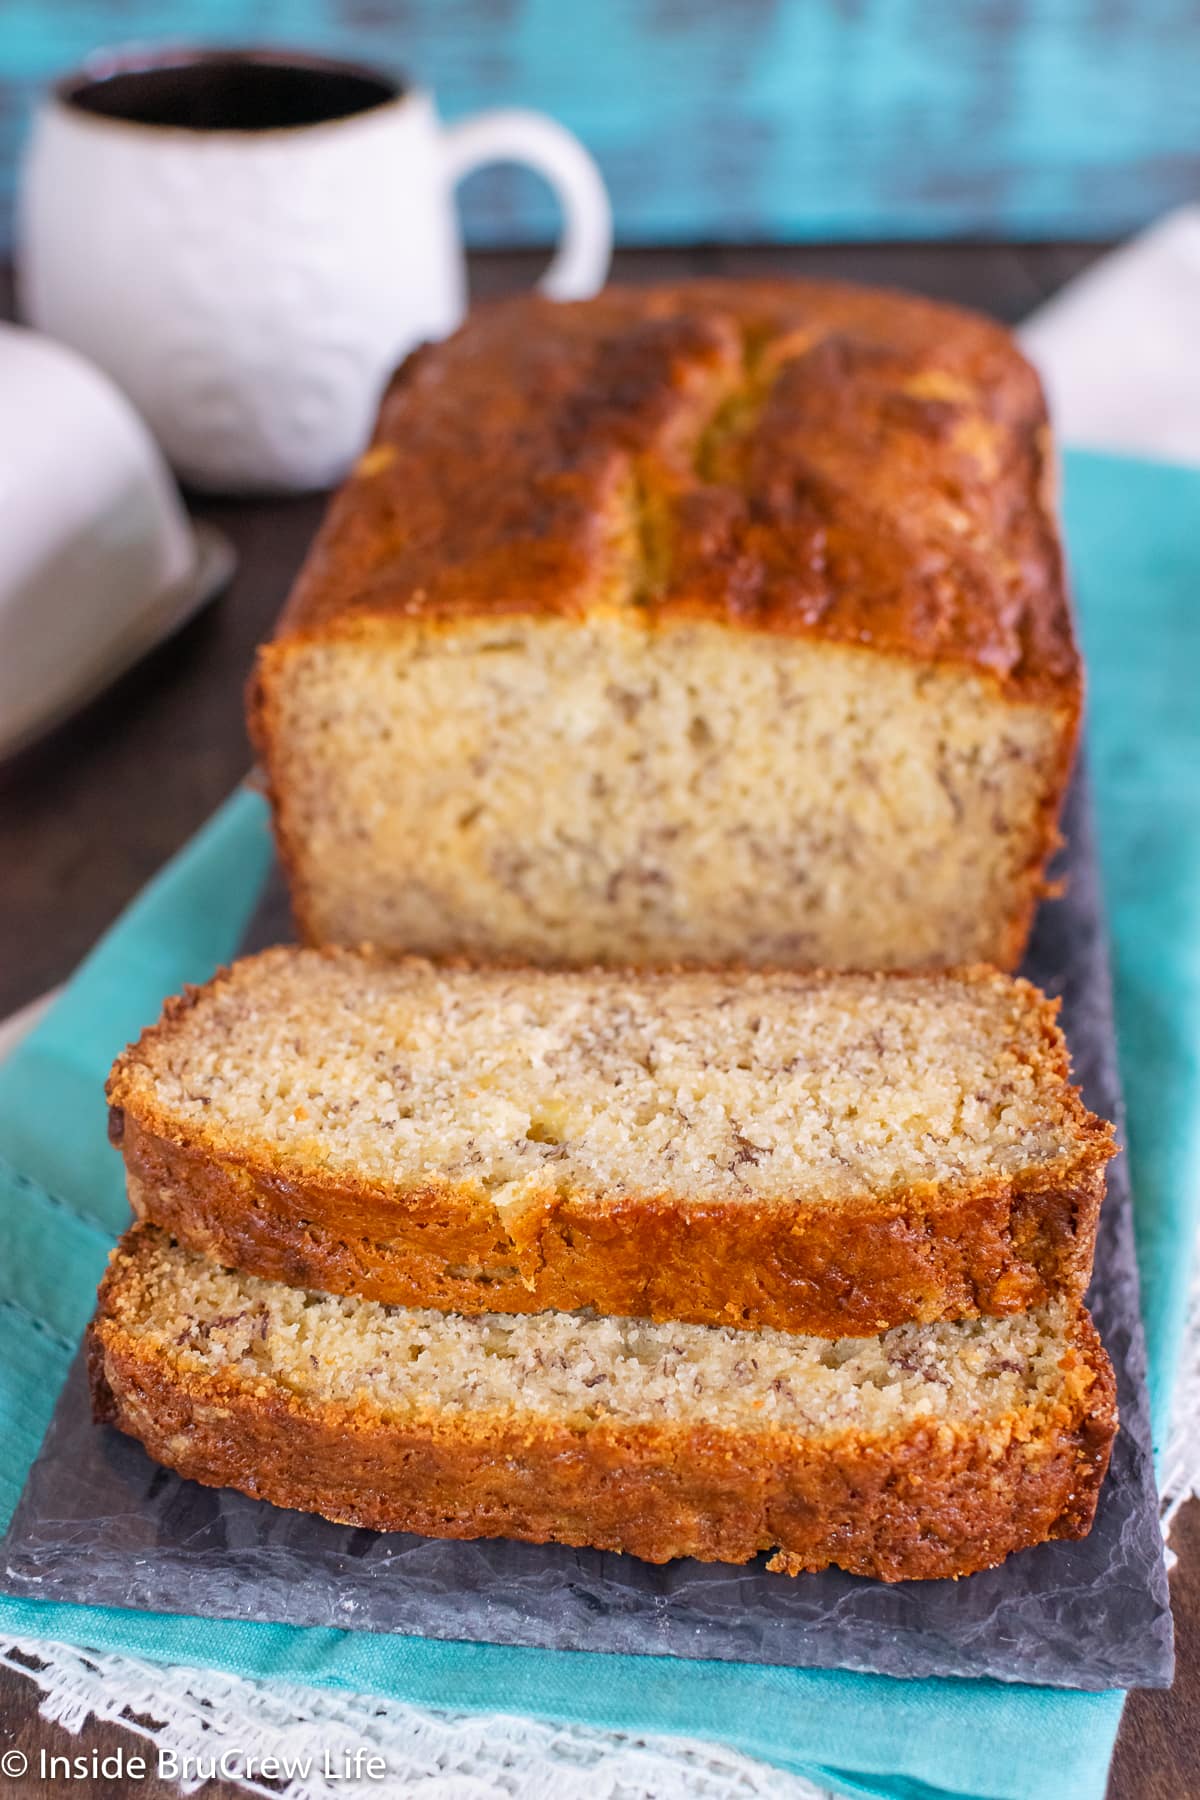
x,y
835,1154
930,1451
715,622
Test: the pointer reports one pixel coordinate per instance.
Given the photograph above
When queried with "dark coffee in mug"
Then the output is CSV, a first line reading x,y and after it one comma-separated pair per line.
x,y
225,90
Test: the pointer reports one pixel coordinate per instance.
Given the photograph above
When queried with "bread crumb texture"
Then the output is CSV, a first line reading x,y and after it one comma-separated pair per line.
x,y
702,1085
573,792
399,1361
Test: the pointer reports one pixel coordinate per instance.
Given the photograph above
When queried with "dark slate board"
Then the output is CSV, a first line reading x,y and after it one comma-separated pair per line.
x,y
99,1522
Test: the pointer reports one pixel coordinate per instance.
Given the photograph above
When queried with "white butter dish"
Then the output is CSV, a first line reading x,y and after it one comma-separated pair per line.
x,y
98,558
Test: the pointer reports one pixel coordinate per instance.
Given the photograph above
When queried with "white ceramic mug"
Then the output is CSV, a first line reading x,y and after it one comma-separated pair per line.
x,y
248,243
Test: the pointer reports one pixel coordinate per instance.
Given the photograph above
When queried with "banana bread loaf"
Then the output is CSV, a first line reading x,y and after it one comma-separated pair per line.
x,y
935,1450
720,622
825,1153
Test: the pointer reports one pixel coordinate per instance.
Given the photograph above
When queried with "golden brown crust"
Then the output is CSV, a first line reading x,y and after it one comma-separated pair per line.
x,y
852,1267
935,1501
809,458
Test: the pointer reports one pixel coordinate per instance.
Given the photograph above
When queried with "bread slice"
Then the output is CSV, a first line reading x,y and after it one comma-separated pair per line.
x,y
723,622
825,1153
934,1450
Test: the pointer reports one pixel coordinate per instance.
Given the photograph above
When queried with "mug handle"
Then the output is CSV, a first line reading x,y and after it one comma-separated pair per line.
x,y
512,134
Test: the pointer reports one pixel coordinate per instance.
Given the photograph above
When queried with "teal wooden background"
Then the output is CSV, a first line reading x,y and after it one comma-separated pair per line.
x,y
751,119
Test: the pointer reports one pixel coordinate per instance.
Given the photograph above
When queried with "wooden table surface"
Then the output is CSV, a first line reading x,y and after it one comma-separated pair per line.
x,y
87,816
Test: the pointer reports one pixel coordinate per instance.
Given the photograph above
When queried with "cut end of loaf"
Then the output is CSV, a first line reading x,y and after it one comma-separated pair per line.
x,y
601,790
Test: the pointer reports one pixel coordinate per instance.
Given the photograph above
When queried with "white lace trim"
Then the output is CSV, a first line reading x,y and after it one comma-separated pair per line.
x,y
202,1714
1179,1474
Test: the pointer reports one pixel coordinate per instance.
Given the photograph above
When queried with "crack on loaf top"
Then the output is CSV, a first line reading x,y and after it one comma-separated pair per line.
x,y
802,458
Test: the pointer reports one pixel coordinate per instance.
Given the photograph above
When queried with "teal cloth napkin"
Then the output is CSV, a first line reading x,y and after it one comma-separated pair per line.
x,y
1134,533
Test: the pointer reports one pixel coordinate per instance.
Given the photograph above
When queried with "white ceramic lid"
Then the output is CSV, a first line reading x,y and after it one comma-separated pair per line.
x,y
96,549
